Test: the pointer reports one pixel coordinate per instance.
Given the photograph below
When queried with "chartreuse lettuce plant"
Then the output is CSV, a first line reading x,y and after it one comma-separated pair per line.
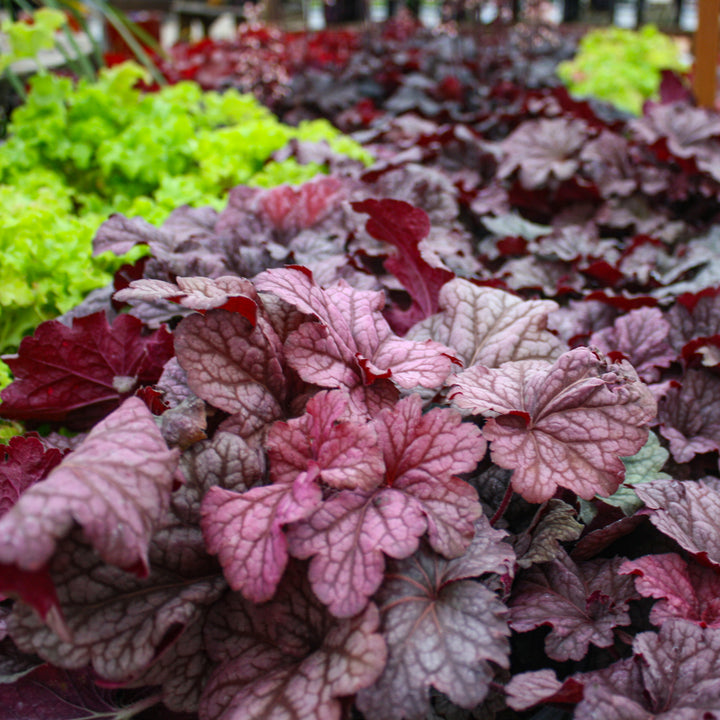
x,y
76,153
621,66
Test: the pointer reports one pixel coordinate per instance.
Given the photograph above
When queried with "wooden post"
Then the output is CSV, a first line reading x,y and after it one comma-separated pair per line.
x,y
706,52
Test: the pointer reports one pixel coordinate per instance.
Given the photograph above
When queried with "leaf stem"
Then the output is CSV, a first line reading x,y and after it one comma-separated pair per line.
x,y
136,708
503,504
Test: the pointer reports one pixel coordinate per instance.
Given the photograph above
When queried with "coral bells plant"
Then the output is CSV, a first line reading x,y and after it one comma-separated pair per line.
x,y
280,517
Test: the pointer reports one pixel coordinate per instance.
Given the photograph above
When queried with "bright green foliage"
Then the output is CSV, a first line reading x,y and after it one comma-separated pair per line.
x,y
621,66
25,40
75,153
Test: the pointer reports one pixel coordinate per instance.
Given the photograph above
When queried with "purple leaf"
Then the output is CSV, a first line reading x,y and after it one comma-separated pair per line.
x,y
78,375
442,629
49,692
687,512
404,226
543,150
686,590
23,462
232,365
345,453
690,415
116,486
116,622
352,344
674,674
488,327
288,660
245,531
642,337
541,686
565,424
581,603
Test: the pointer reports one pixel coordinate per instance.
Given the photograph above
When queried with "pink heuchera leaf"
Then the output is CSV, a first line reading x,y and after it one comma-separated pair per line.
x,y
197,293
232,365
119,623
23,462
351,532
688,512
673,675
404,226
116,485
245,531
288,660
642,337
582,604
690,415
543,150
442,629
295,208
352,343
79,374
489,327
528,689
566,424
685,590
346,454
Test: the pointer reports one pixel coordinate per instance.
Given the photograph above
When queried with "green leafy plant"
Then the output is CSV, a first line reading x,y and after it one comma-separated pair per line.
x,y
621,66
77,152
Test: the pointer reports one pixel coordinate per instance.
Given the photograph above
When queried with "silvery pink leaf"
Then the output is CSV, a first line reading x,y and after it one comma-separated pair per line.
x,y
116,485
288,660
348,536
685,590
442,629
541,686
565,424
642,337
690,415
233,365
120,234
582,603
345,453
489,327
543,150
23,462
353,343
688,512
173,384
245,531
423,453
113,620
674,675
197,293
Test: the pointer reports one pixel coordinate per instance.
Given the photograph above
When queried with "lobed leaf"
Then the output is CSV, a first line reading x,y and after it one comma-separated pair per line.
x,y
564,425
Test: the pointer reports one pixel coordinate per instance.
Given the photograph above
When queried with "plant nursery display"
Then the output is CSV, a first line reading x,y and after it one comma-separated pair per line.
x,y
431,436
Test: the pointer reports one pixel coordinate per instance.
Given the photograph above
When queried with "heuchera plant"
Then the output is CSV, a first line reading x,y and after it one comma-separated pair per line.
x,y
343,456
